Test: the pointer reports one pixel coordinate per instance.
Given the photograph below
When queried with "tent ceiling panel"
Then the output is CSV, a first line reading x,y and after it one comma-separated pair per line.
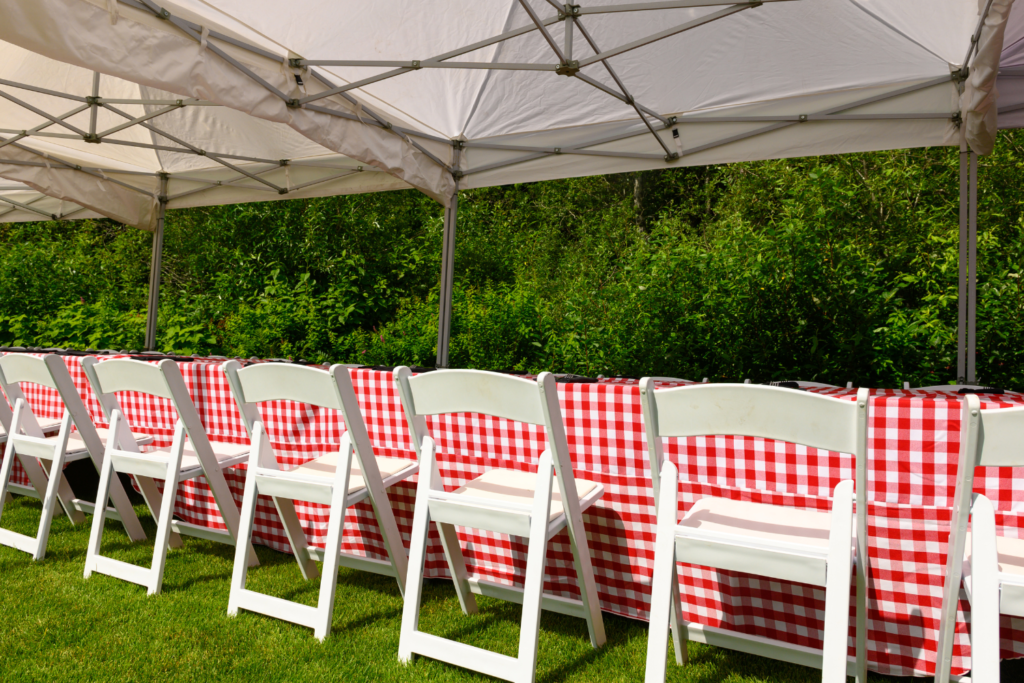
x,y
531,88
20,203
212,154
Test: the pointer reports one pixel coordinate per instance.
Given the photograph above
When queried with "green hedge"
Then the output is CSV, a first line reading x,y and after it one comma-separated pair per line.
x,y
832,269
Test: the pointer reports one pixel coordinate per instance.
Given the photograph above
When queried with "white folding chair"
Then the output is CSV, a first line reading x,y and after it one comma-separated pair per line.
x,y
992,566
27,442
173,465
535,507
336,479
790,544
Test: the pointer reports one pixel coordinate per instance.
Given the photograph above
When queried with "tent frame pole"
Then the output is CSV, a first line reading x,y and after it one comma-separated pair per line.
x,y
155,264
972,271
961,325
451,219
444,322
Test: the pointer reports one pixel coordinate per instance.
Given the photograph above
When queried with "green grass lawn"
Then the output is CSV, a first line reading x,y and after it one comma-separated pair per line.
x,y
57,626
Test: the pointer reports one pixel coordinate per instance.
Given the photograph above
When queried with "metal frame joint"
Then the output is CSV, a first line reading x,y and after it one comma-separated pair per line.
x,y
957,119
570,68
568,11
91,137
294,103
671,156
802,118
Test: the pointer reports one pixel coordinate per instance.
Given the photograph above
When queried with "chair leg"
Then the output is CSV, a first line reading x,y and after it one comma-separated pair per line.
x,y
49,503
332,546
154,501
99,514
664,578
584,567
296,537
984,594
837,588
241,566
163,529
457,567
536,559
677,624
5,476
417,555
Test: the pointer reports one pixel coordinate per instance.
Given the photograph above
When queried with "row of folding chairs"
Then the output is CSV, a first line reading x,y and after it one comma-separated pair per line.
x,y
814,547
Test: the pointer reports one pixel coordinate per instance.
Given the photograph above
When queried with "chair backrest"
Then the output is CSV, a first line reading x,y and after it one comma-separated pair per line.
x,y
487,393
280,381
755,410
162,380
49,371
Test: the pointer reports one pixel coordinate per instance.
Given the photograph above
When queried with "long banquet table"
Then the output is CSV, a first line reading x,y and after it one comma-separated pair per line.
x,y
913,451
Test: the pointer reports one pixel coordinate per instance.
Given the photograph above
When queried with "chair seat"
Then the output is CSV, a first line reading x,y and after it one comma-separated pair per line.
x,y
326,465
514,486
76,446
760,521
227,454
1011,555
46,425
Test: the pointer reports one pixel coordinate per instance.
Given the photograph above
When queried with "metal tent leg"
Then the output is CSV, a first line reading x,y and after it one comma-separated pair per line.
x,y
444,322
154,267
961,325
972,271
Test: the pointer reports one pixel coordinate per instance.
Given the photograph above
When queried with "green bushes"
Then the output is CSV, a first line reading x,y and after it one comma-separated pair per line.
x,y
833,269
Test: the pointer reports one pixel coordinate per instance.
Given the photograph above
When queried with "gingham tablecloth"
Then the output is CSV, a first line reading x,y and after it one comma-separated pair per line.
x,y
913,452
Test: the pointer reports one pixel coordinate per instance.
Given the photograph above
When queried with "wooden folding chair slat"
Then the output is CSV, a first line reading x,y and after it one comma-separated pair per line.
x,y
323,481
530,516
26,442
986,561
122,454
736,536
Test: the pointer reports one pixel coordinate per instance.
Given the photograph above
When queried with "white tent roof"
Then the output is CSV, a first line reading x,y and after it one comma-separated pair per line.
x,y
20,203
527,89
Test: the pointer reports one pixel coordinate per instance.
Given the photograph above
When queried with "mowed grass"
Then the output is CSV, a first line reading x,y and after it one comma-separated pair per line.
x,y
57,626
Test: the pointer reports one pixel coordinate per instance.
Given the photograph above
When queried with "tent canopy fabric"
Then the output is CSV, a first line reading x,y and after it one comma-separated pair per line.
x,y
458,93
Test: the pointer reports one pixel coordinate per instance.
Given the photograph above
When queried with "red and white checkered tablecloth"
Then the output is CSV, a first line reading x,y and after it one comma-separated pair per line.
x,y
913,452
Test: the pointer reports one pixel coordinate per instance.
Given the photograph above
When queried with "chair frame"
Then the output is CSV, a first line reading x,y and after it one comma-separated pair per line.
x,y
988,438
122,454
327,389
521,400
765,409
27,443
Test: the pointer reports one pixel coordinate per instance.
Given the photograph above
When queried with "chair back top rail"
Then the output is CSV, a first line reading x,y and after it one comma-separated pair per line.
x,y
1000,435
330,389
279,381
16,367
757,411
475,391
132,375
162,380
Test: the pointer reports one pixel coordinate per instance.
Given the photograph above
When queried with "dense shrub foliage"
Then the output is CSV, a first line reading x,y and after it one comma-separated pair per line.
x,y
832,269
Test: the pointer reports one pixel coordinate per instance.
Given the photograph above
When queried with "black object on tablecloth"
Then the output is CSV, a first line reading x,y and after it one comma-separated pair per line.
x,y
983,390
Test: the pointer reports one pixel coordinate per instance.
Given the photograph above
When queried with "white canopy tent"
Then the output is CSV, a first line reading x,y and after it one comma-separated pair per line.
x,y
457,94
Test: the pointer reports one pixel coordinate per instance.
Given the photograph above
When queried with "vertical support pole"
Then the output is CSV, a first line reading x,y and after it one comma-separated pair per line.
x,y
570,24
961,288
444,322
154,266
95,106
972,271
444,319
